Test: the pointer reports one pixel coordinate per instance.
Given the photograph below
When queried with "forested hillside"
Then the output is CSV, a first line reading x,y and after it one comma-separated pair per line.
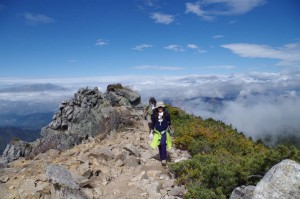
x,y
222,158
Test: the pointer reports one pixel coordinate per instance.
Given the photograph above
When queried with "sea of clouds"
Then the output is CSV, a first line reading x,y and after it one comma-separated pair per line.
x,y
257,104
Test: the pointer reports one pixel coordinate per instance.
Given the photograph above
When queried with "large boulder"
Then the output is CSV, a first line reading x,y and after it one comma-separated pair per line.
x,y
282,181
64,186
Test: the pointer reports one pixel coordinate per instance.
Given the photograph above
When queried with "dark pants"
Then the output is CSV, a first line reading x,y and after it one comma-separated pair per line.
x,y
163,147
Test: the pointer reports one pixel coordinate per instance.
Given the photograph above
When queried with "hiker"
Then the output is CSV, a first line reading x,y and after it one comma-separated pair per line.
x,y
160,134
149,110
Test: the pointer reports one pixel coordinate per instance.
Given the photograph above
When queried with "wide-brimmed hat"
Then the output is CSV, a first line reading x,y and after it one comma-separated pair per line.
x,y
160,104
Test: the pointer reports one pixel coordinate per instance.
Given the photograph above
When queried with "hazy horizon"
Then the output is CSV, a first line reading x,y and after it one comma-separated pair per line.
x,y
253,103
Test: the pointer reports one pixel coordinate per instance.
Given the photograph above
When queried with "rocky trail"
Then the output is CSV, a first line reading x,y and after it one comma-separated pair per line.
x,y
118,165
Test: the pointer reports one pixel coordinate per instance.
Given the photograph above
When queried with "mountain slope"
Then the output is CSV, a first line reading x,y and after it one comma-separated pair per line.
x,y
222,157
121,165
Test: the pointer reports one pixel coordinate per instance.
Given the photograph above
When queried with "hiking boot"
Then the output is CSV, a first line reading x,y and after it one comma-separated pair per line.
x,y
164,162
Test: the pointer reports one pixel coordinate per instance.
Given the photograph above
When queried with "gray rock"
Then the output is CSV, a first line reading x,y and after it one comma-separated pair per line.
x,y
63,193
103,153
57,174
243,192
14,150
133,150
177,191
282,181
131,161
133,97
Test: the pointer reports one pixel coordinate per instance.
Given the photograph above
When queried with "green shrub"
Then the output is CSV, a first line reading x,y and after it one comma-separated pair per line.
x,y
222,157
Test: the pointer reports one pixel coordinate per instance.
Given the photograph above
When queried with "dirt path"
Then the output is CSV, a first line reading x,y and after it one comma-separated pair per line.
x,y
120,165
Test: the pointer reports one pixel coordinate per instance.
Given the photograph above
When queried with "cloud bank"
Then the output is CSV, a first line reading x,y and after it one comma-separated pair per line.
x,y
256,103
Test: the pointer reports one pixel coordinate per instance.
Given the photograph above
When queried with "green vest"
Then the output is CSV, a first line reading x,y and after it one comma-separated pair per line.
x,y
157,137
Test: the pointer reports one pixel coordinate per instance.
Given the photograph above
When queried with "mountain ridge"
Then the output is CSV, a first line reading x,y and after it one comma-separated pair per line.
x,y
97,146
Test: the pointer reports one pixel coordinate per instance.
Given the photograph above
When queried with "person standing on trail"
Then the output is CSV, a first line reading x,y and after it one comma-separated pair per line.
x,y
160,134
149,110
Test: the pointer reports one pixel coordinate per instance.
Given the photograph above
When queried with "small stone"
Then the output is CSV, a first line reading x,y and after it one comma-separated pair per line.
x,y
4,179
11,187
153,173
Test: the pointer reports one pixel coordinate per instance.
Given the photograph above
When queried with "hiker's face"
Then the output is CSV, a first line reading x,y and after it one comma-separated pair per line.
x,y
160,109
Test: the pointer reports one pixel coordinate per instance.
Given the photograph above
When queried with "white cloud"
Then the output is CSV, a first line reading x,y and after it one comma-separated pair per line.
x,y
101,42
289,54
37,19
195,8
221,67
209,9
151,67
192,46
218,36
150,3
162,18
195,47
174,47
142,47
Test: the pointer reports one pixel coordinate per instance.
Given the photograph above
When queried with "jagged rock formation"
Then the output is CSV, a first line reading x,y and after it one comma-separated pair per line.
x,y
282,181
88,114
118,165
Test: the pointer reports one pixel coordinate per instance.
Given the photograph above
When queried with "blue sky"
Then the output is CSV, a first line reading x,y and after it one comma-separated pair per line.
x,y
76,38
232,60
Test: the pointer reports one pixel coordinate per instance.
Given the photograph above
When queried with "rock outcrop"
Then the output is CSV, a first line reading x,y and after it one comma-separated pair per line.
x,y
88,114
282,181
14,150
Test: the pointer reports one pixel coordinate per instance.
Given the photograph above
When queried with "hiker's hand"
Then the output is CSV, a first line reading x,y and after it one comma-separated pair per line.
x,y
151,136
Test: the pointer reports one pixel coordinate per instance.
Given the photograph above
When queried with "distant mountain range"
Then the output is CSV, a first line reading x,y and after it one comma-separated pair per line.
x,y
24,127
31,88
29,121
9,133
